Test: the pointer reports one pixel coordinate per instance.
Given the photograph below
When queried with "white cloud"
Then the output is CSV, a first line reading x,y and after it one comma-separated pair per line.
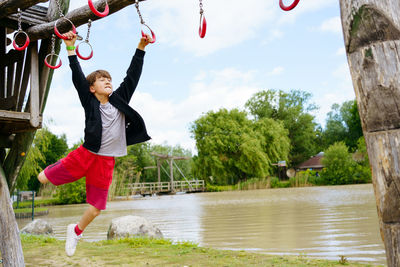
x,y
169,121
332,25
177,22
302,8
276,71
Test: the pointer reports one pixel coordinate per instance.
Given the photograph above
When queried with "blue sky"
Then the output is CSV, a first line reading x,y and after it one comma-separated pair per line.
x,y
250,46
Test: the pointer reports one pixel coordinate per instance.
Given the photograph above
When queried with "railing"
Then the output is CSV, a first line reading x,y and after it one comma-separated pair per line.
x,y
165,187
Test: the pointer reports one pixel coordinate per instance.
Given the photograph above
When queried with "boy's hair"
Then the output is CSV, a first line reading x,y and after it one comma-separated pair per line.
x,y
92,77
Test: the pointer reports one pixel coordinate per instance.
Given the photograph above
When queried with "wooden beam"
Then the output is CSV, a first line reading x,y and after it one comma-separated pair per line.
x,y
8,7
79,17
14,115
371,30
3,49
34,95
10,243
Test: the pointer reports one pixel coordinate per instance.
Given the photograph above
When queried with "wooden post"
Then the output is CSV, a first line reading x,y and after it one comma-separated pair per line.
x,y
34,95
371,31
10,243
171,175
159,170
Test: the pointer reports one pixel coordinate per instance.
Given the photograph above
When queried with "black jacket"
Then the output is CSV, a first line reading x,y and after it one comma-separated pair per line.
x,y
135,127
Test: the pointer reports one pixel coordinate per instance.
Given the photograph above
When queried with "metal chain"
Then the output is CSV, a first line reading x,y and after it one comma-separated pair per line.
x,y
138,11
53,44
201,7
88,30
59,9
19,19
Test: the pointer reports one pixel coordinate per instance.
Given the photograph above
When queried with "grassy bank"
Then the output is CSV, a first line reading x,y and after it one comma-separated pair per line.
x,y
261,183
46,251
38,203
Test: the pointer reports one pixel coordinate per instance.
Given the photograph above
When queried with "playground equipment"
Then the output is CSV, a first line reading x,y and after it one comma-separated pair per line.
x,y
20,31
87,43
144,25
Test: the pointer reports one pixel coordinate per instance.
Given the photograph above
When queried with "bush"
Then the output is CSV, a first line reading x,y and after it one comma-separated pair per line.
x,y
276,183
73,193
341,168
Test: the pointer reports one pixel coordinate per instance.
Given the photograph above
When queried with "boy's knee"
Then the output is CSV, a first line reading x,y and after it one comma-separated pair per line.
x,y
95,211
42,178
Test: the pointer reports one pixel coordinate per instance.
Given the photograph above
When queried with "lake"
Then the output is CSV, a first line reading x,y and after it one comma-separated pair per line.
x,y
322,222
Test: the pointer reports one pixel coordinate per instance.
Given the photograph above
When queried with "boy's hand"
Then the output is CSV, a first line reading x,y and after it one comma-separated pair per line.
x,y
71,38
144,41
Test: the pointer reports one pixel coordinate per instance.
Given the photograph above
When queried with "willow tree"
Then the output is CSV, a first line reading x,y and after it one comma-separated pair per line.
x,y
20,118
371,31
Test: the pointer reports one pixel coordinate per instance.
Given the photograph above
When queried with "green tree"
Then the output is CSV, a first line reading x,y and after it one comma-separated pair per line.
x,y
232,148
46,149
343,124
293,109
338,165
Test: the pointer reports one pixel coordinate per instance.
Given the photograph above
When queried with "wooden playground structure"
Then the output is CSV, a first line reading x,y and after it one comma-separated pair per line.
x,y
371,30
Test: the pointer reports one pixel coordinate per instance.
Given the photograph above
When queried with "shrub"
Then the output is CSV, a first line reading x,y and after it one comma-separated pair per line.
x,y
73,193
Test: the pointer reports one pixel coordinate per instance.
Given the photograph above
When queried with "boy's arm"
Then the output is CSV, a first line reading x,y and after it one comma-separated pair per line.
x,y
78,78
128,86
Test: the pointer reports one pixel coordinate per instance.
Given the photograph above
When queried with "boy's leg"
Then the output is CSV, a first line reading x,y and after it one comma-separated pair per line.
x,y
89,215
74,231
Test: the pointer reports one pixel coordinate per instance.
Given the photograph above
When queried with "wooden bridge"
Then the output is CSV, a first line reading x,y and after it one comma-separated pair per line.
x,y
190,186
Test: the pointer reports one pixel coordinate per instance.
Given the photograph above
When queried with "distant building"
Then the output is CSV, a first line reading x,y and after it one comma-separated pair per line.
x,y
313,163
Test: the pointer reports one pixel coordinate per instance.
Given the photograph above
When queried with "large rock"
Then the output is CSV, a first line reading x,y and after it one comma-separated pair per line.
x,y
38,227
131,226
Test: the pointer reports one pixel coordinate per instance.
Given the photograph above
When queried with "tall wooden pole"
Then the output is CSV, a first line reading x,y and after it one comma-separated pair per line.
x,y
10,243
371,31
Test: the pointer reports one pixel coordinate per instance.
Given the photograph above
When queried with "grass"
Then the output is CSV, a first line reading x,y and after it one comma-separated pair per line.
x,y
38,203
47,251
29,210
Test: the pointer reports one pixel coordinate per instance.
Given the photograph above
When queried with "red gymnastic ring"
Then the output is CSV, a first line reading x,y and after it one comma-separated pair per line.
x,y
203,26
153,36
20,48
287,8
96,12
58,33
82,57
50,66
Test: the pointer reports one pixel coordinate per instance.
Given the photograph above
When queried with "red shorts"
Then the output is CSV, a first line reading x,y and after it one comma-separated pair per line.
x,y
97,169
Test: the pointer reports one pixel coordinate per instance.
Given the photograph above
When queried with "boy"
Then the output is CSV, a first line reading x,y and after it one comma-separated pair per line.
x,y
110,125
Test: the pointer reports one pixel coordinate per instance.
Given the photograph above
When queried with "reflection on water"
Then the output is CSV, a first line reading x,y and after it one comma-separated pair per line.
x,y
322,222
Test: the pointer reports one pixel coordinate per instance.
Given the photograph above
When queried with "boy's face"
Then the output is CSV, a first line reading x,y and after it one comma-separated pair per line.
x,y
102,86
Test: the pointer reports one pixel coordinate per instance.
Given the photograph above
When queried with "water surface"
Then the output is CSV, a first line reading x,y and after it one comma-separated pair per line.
x,y
322,222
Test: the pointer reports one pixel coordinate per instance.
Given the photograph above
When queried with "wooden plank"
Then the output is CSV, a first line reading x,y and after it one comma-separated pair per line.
x,y
3,37
18,76
34,92
25,80
13,115
10,77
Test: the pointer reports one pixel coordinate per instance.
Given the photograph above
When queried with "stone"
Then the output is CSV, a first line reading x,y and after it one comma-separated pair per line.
x,y
132,226
38,227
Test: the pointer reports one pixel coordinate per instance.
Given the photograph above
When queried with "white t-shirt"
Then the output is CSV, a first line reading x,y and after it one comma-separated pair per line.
x,y
113,135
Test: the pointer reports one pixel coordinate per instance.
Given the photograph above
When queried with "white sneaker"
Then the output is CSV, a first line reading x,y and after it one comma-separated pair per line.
x,y
72,240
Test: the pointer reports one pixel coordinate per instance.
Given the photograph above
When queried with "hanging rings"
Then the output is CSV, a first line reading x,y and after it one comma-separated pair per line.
x,y
203,22
53,53
153,36
19,32
85,42
98,13
56,31
290,7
